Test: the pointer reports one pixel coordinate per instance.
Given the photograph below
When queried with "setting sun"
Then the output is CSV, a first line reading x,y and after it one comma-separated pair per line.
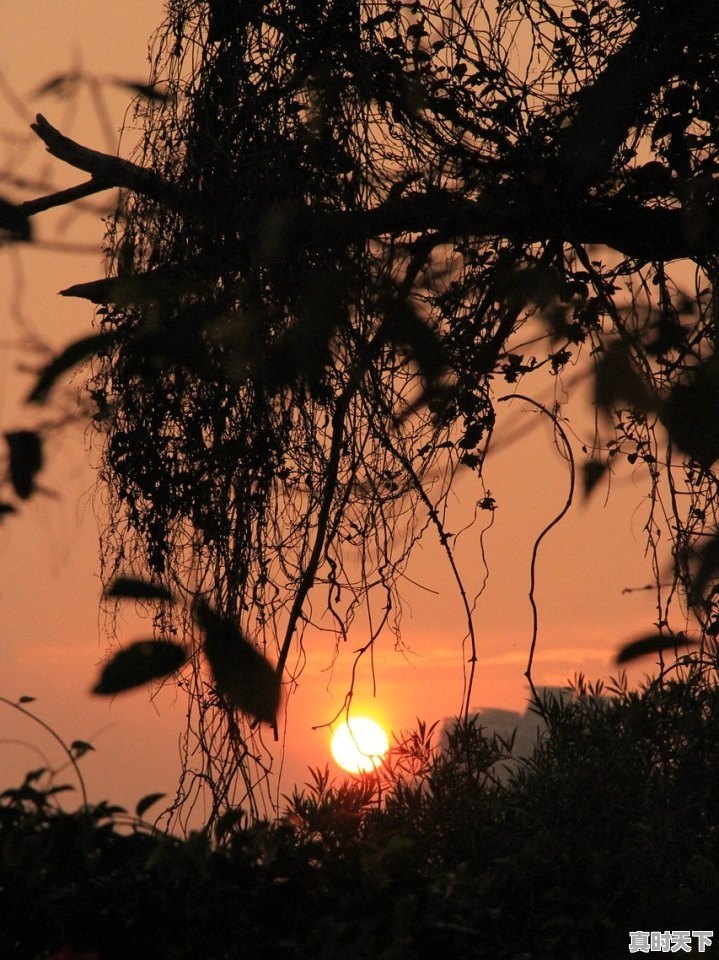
x,y
359,745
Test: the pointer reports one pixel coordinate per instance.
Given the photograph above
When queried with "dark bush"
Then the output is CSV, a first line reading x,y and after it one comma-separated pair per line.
x,y
610,826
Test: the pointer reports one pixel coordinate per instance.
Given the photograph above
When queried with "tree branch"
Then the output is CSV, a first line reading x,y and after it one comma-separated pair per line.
x,y
637,231
164,284
108,171
608,108
61,197
643,233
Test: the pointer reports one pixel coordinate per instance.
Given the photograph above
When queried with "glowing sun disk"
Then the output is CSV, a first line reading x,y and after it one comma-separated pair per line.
x,y
359,745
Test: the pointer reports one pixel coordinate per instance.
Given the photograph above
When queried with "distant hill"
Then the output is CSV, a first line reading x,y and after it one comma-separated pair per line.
x,y
527,727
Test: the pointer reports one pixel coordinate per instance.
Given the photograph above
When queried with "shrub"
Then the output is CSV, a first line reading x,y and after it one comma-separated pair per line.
x,y
610,826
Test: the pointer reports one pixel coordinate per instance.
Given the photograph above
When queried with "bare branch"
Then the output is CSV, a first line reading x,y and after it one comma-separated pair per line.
x,y
107,171
151,286
61,197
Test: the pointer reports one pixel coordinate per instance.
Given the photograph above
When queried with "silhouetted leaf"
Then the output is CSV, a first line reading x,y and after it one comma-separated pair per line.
x,y
36,797
666,126
72,355
80,747
61,788
105,810
617,382
14,220
25,449
653,179
5,509
538,284
140,663
27,699
146,802
32,776
592,473
654,643
132,588
242,675
691,414
150,91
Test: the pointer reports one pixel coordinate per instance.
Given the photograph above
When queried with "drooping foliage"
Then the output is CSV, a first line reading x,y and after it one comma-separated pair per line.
x,y
343,223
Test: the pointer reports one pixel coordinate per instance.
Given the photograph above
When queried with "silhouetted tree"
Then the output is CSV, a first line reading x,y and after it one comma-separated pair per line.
x,y
339,220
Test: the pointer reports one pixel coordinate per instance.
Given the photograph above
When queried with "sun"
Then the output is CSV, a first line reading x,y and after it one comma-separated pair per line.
x,y
359,745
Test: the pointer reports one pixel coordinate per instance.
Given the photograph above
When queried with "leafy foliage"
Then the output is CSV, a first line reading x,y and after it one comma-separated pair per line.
x,y
243,677
145,803
344,226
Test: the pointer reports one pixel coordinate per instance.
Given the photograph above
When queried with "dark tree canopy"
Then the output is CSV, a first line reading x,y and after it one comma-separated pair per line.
x,y
340,219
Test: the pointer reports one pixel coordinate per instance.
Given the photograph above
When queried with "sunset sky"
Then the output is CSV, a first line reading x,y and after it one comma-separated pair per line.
x,y
52,633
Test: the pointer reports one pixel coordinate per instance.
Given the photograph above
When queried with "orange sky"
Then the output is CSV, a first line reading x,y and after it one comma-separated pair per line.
x,y
51,633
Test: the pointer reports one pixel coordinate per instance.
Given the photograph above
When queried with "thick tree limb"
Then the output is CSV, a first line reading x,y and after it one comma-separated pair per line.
x,y
642,233
637,231
607,109
605,113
